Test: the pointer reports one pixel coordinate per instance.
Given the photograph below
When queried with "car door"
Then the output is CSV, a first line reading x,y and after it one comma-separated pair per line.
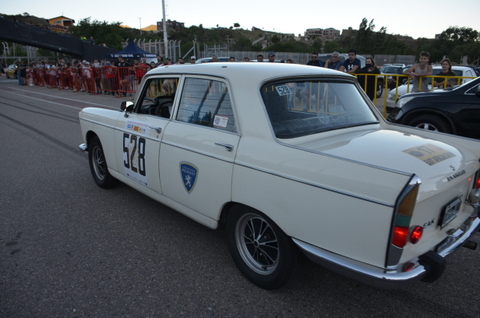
x,y
138,134
468,105
199,146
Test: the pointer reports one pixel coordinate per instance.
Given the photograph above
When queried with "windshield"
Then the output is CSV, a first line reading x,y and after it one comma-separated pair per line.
x,y
299,108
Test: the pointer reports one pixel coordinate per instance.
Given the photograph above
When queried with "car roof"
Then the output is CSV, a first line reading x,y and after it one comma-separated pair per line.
x,y
245,71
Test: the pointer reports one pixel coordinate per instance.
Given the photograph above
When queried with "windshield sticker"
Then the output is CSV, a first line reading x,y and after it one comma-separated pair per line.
x,y
220,121
136,126
430,154
283,90
189,175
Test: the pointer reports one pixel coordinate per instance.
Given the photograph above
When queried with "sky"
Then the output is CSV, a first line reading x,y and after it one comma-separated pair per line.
x,y
420,18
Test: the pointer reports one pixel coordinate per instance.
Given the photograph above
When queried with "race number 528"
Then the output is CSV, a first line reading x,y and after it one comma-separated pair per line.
x,y
134,153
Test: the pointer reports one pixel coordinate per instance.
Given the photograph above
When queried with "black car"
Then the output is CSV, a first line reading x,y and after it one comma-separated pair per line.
x,y
455,111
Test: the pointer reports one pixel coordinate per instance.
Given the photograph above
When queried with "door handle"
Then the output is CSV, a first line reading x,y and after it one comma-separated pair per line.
x,y
157,129
228,147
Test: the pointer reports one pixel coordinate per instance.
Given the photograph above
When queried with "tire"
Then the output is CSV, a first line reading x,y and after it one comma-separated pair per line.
x,y
98,165
431,122
270,260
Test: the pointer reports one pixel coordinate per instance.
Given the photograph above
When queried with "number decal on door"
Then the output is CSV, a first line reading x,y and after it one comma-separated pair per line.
x,y
134,148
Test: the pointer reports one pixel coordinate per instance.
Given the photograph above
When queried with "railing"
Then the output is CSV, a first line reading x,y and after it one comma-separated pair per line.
x,y
399,80
120,81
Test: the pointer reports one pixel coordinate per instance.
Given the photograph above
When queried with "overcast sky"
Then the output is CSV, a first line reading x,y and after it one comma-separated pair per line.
x,y
415,18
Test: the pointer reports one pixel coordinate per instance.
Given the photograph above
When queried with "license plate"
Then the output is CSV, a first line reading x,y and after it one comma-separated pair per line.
x,y
451,211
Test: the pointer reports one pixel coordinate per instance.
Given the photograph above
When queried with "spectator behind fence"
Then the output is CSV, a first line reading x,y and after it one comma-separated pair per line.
x,y
334,62
368,81
271,56
315,61
352,64
446,71
418,71
259,58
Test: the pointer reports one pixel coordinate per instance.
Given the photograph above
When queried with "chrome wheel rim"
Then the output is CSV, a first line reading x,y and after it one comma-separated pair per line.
x,y
427,126
99,164
257,243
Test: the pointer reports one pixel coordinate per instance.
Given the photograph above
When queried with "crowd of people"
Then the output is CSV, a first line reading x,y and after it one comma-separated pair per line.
x,y
119,77
122,77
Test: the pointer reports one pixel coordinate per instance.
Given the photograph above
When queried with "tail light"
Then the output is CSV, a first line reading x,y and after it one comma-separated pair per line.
x,y
405,208
474,196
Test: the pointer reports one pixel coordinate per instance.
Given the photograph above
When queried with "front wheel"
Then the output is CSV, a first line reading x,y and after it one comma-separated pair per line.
x,y
98,165
264,254
430,122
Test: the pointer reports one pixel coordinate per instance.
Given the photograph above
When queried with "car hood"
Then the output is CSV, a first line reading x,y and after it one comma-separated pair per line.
x,y
432,160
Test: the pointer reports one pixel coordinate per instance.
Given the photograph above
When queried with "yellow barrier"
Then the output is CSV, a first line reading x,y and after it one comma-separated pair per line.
x,y
406,78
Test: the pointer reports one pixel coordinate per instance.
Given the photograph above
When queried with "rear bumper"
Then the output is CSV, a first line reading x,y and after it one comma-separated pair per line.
x,y
430,268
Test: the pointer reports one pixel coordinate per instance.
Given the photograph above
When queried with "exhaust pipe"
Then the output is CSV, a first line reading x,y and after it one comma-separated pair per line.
x,y
470,245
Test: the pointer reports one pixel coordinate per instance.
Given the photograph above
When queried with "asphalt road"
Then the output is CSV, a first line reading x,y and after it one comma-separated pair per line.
x,y
71,249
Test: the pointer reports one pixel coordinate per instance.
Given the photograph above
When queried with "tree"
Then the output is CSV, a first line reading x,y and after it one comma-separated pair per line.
x,y
236,25
460,35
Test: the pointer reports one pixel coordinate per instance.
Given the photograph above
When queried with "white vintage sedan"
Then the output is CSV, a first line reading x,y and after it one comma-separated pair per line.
x,y
292,159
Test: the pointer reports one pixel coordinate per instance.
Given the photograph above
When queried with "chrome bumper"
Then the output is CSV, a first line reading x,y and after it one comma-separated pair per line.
x,y
430,268
83,147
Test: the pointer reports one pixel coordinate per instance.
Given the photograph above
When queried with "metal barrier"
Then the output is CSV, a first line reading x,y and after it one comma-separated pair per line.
x,y
118,81
397,80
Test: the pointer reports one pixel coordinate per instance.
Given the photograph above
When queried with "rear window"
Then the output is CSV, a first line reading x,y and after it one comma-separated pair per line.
x,y
299,108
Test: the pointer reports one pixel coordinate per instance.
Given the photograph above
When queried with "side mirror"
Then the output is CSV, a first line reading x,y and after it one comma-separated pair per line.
x,y
127,106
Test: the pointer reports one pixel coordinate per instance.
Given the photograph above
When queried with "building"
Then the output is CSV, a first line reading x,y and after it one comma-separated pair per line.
x,y
329,33
61,21
170,25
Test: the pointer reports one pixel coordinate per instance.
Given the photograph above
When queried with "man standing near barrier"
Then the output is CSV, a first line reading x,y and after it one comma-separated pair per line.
x,y
352,64
315,61
418,71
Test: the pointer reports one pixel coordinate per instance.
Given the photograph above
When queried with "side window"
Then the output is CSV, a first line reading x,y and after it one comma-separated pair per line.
x,y
207,103
157,97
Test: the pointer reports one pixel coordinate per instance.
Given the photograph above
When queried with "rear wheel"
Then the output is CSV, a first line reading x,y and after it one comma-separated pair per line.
x,y
431,122
98,165
261,250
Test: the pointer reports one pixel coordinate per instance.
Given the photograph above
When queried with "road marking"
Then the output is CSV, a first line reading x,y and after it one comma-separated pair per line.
x,y
65,98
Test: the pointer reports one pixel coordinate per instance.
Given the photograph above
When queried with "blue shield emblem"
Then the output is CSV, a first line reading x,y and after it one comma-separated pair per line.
x,y
189,175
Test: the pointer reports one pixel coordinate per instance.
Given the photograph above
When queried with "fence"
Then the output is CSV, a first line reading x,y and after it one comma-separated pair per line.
x,y
120,81
97,80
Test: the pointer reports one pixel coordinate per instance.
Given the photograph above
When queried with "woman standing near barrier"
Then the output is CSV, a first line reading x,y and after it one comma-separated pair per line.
x,y
446,71
369,83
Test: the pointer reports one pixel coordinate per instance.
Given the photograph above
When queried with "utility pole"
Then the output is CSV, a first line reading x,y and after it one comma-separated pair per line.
x,y
165,37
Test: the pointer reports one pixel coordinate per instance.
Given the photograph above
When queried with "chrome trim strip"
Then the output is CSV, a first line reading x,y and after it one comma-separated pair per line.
x,y
362,272
316,185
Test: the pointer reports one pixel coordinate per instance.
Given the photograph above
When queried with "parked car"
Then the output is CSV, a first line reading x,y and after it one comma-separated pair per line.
x,y
455,111
462,71
209,59
393,70
291,159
